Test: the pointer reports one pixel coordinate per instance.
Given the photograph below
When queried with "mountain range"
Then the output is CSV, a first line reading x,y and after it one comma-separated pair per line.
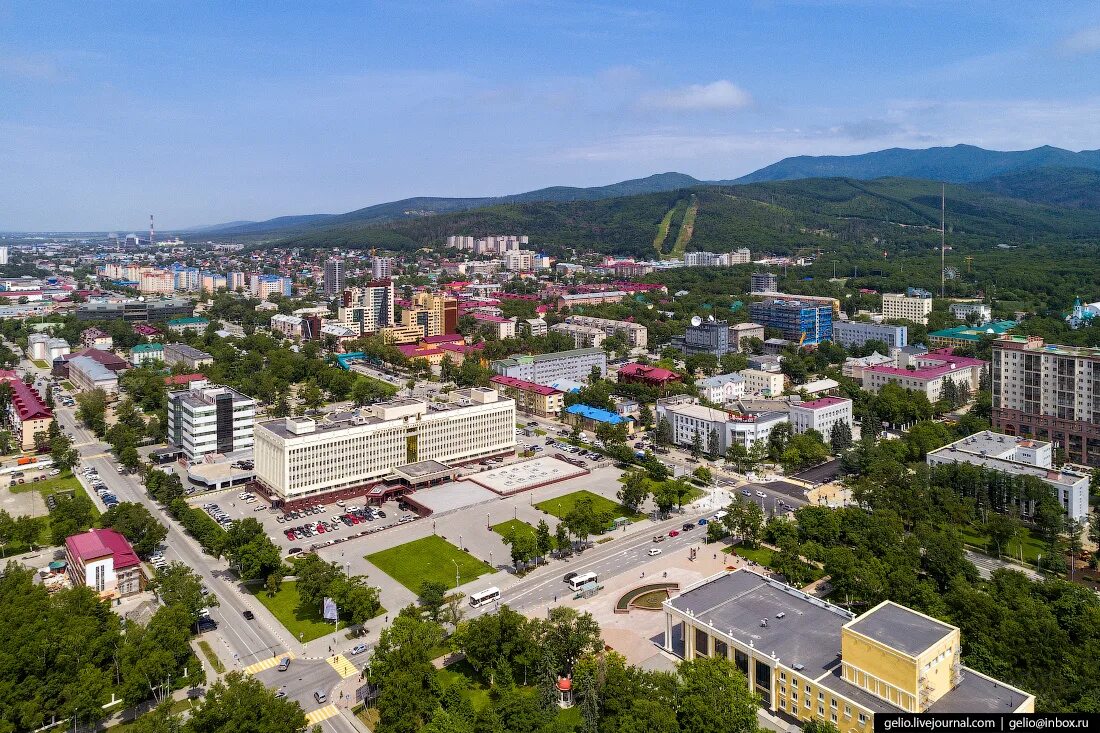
x,y
1044,175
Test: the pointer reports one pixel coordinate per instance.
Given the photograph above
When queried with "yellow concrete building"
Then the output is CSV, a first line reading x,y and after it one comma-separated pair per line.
x,y
807,658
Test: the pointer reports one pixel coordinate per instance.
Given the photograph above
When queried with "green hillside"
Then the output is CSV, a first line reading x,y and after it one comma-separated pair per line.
x,y
1075,188
896,214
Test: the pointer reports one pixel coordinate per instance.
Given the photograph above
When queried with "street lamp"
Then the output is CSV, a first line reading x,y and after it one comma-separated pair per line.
x,y
456,571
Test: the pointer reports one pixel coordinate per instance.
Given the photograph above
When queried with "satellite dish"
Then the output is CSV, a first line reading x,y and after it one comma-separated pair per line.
x,y
710,318
696,320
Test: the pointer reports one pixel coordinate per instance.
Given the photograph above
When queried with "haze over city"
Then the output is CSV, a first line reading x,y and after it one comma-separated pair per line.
x,y
217,112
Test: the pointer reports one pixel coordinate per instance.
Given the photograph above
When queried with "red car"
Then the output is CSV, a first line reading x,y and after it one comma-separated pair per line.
x,y
290,535
320,529
354,519
673,532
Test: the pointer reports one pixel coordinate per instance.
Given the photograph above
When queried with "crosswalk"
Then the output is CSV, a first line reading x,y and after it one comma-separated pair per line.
x,y
266,663
320,714
343,667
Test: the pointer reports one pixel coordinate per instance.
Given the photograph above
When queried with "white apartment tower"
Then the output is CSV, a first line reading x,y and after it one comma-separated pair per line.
x,y
210,419
334,277
369,308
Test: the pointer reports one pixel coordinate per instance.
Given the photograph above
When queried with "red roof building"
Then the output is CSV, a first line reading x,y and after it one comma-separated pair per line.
x,y
532,398
646,374
27,412
103,560
184,380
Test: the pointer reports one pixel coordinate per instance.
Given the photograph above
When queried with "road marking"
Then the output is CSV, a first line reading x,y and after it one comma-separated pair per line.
x,y
343,667
266,664
321,714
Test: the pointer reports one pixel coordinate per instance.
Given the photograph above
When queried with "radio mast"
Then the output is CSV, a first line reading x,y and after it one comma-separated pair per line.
x,y
943,237
152,232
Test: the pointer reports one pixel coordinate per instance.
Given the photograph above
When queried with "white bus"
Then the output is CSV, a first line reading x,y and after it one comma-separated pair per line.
x,y
479,599
578,581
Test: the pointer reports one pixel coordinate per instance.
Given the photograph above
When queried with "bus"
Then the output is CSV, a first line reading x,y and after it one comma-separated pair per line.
x,y
578,581
489,595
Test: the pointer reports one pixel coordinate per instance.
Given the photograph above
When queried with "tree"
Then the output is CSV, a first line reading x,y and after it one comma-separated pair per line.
x,y
178,585
634,490
1002,529
315,578
696,445
663,432
561,538
159,720
92,409
137,524
840,437
432,596
544,543
86,695
714,445
311,396
70,515
664,496
566,635
522,545
715,697
242,703
357,600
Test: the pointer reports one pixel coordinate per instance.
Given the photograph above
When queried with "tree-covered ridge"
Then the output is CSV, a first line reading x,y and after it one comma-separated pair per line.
x,y
777,217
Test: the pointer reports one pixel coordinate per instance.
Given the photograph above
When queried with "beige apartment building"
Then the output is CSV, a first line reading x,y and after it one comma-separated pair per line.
x,y
914,307
635,334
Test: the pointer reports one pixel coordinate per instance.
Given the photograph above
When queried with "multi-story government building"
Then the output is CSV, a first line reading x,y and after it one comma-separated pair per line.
x,y
210,419
810,660
1048,392
346,453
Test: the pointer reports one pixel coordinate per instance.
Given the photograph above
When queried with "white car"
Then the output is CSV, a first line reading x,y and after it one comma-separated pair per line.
x,y
761,494
654,551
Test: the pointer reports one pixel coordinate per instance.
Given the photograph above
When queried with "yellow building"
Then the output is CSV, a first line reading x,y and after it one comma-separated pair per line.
x,y
535,399
807,658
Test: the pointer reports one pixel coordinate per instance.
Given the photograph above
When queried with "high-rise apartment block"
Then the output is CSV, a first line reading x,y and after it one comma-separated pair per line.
x,y
381,268
710,259
334,277
635,334
912,305
763,282
799,321
1048,392
368,308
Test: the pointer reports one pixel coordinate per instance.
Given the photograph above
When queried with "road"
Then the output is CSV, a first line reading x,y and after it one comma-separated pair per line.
x,y
986,565
246,642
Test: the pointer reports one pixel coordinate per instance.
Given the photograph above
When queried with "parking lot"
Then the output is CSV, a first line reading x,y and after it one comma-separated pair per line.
x,y
301,529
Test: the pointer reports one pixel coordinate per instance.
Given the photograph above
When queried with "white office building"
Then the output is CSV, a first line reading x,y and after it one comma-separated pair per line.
x,y
575,364
1019,457
963,311
210,419
821,415
688,420
299,458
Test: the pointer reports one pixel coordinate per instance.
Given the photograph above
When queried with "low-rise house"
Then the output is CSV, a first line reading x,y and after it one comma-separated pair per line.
x,y
103,560
142,353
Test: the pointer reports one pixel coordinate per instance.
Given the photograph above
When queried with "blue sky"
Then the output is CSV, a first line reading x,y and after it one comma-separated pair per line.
x,y
210,112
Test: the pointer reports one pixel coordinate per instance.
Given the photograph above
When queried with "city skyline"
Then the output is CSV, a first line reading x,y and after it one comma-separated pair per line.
x,y
207,114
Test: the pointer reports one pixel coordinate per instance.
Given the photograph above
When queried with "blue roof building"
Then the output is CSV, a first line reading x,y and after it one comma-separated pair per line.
x,y
589,417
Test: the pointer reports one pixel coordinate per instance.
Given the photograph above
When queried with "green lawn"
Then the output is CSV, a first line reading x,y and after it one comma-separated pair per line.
x,y
763,556
284,606
505,529
430,558
562,505
1026,543
211,657
40,363
50,485
477,692
178,706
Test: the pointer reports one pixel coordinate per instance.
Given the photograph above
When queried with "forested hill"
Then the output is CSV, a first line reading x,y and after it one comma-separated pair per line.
x,y
1077,188
412,208
958,164
893,214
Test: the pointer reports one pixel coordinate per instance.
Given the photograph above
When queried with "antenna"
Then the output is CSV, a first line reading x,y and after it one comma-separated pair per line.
x,y
943,236
152,231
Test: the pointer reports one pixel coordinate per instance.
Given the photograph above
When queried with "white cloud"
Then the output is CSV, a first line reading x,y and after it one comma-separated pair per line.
x,y
1084,41
717,95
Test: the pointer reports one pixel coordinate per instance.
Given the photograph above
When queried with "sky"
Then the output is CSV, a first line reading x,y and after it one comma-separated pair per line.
x,y
202,113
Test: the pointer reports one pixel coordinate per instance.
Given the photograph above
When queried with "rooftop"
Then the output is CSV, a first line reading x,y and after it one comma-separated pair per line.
x,y
645,371
524,385
594,413
26,400
99,543
92,368
974,333
178,379
736,603
552,356
821,403
900,628
1034,343
1058,477
145,348
719,380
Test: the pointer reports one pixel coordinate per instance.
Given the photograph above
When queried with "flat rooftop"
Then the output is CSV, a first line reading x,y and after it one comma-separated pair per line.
x,y
900,628
1058,477
977,693
423,468
735,604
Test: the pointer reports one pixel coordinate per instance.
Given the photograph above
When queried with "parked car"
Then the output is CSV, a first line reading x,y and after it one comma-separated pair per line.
x,y
654,551
358,648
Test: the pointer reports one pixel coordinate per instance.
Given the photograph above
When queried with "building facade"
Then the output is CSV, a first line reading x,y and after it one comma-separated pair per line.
x,y
763,282
635,334
299,458
1048,392
821,415
531,398
103,560
583,336
210,419
1020,457
963,311
334,277
576,364
369,308
729,427
189,356
708,337
142,353
802,322
28,414
855,333
760,382
741,331
913,305
721,388
811,660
